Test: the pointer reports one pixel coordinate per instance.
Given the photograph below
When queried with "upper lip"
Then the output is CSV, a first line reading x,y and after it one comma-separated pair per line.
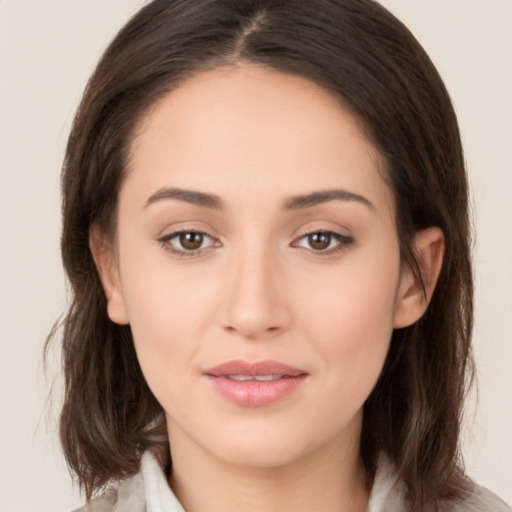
x,y
254,369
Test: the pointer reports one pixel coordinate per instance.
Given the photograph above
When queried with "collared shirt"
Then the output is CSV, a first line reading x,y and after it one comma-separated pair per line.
x,y
149,491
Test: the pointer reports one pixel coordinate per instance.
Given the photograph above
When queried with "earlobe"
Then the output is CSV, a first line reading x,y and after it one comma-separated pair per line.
x,y
108,271
414,294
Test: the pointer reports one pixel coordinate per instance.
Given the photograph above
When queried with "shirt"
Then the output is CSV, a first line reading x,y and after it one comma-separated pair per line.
x,y
149,491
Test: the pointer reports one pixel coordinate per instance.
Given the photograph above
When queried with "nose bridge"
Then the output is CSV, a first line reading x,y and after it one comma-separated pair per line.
x,y
254,304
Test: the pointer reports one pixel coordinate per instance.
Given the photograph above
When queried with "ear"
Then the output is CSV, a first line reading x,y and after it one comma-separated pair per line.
x,y
413,298
108,270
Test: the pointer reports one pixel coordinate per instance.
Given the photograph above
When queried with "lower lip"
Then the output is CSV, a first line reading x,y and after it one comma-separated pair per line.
x,y
254,393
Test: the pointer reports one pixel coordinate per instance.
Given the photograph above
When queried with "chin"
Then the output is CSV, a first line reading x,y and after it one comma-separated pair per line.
x,y
259,457
261,449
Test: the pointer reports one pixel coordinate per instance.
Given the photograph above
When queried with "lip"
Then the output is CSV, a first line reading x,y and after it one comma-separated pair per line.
x,y
252,392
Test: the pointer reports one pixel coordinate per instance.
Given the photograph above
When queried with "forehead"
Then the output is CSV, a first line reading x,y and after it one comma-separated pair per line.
x,y
247,130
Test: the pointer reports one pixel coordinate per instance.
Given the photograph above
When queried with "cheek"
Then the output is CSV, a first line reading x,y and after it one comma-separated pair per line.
x,y
357,297
167,312
349,315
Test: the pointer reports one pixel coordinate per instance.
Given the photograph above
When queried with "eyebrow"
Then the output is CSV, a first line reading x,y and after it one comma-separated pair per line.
x,y
298,202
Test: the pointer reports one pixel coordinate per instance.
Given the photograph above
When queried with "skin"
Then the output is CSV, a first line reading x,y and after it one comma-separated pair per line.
x,y
261,289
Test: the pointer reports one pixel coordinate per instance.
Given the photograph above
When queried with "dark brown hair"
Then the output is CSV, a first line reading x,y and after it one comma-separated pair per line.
x,y
362,54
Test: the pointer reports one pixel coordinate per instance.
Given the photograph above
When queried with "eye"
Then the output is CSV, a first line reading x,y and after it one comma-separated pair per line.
x,y
325,242
186,242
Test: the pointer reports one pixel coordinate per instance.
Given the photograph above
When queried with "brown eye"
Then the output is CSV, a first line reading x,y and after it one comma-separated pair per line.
x,y
191,241
187,243
319,241
325,242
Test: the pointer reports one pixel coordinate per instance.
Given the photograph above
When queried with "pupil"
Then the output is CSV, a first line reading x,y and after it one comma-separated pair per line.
x,y
191,241
320,240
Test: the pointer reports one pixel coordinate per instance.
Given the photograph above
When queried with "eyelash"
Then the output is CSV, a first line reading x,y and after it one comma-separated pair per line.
x,y
345,242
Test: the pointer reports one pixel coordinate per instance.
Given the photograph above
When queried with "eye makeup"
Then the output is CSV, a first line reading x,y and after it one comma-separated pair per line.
x,y
320,242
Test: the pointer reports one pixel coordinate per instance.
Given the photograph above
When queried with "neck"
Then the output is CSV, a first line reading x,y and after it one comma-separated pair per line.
x,y
318,481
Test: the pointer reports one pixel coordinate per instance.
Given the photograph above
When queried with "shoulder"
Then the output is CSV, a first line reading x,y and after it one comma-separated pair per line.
x,y
127,496
388,495
104,503
148,489
480,500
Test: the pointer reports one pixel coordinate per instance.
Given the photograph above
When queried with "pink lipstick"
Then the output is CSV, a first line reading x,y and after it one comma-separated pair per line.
x,y
255,384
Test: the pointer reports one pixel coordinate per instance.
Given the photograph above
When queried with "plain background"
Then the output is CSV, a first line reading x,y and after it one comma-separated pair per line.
x,y
47,51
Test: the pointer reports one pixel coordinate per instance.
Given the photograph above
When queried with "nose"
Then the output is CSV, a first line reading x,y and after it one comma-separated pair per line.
x,y
255,304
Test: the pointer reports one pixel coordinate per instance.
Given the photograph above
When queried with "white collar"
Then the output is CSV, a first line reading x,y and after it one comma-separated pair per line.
x,y
154,489
158,494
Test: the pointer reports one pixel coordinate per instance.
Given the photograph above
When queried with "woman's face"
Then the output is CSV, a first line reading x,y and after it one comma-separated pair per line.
x,y
262,328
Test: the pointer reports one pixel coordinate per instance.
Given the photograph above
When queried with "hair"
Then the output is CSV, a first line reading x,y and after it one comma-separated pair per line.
x,y
368,59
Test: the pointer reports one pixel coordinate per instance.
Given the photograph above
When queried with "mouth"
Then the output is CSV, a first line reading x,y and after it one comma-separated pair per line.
x,y
255,384
257,378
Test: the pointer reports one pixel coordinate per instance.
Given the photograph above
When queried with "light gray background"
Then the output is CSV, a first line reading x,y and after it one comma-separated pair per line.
x,y
47,51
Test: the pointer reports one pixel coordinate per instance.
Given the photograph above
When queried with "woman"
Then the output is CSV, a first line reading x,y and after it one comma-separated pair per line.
x,y
267,236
